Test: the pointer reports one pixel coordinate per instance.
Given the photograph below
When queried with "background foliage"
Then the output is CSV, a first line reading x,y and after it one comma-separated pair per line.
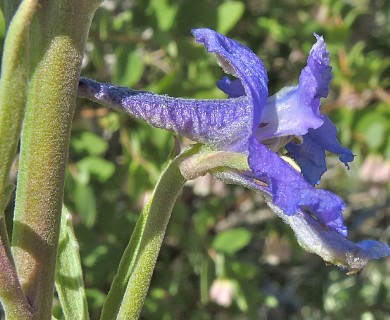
x,y
222,236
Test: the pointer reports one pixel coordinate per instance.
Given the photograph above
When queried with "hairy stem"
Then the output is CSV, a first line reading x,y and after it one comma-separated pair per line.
x,y
58,34
130,286
13,93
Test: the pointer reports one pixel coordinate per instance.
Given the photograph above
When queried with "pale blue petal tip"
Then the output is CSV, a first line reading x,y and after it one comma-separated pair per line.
x,y
374,249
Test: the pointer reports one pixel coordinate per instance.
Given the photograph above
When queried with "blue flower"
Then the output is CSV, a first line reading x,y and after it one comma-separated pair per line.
x,y
251,123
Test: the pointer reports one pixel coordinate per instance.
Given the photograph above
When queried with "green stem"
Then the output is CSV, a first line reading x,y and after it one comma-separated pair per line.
x,y
59,31
9,9
130,285
13,92
129,288
12,296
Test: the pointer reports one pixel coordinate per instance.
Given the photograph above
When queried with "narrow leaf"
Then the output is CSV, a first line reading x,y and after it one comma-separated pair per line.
x,y
69,277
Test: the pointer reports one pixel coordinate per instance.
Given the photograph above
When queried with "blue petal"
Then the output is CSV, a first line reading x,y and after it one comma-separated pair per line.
x,y
290,191
293,110
313,235
241,62
315,77
310,157
326,137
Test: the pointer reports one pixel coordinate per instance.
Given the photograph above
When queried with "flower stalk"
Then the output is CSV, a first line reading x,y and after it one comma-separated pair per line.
x,y
130,286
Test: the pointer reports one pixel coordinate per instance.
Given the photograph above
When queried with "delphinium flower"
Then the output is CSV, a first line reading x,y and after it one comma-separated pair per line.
x,y
261,127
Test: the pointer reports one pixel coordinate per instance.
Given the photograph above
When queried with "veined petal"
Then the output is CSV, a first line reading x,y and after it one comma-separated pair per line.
x,y
241,62
313,235
293,110
290,191
310,155
222,124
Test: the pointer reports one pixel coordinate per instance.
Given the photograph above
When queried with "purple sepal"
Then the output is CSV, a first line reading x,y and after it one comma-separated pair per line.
x,y
239,61
290,191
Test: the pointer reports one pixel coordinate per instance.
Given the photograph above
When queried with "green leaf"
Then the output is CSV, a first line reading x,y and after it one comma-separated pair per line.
x,y
88,142
129,68
375,134
97,167
231,241
85,202
2,25
95,298
228,15
373,126
244,270
165,12
69,277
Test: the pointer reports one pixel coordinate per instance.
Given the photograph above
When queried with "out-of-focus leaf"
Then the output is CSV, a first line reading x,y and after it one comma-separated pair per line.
x,y
231,241
2,25
375,134
244,270
165,12
85,203
240,298
373,126
89,143
69,276
95,298
229,13
272,26
129,67
97,167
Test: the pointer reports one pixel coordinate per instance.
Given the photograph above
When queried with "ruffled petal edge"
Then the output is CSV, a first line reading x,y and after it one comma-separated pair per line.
x,y
241,62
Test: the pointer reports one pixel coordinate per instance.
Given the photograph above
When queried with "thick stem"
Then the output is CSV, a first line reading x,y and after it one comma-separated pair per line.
x,y
13,92
59,33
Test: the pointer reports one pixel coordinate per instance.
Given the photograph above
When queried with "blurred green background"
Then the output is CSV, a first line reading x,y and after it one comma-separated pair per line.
x,y
226,256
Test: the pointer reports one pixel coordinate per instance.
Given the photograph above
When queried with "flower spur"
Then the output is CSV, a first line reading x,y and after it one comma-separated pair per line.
x,y
251,123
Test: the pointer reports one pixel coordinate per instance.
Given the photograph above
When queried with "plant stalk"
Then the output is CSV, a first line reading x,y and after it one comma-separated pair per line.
x,y
58,35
